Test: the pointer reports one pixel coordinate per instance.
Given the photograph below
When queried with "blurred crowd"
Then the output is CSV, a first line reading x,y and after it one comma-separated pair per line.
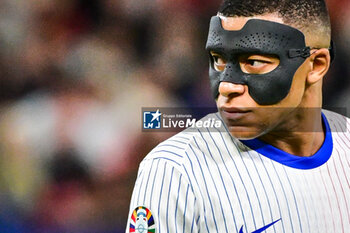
x,y
74,75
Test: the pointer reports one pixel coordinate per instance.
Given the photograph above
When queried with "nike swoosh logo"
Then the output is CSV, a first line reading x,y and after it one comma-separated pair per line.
x,y
261,229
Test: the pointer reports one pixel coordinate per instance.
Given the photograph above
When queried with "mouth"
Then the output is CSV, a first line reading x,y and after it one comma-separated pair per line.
x,y
232,114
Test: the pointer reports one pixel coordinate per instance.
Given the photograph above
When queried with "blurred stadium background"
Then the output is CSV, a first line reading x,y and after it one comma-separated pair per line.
x,y
74,75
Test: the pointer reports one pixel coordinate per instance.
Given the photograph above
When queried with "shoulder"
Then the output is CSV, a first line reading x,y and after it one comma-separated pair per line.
x,y
205,139
337,122
339,127
171,150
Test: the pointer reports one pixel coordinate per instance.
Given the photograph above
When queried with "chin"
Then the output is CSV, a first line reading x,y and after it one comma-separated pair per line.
x,y
244,133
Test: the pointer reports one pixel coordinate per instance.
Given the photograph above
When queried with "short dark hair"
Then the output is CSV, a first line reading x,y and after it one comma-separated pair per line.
x,y
302,14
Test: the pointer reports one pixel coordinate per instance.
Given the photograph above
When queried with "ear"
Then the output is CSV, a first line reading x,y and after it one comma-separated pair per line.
x,y
320,62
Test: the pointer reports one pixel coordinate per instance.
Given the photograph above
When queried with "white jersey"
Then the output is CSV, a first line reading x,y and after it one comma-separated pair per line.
x,y
210,182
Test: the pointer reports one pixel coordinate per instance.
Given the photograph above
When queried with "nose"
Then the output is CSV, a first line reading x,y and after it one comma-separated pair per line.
x,y
228,89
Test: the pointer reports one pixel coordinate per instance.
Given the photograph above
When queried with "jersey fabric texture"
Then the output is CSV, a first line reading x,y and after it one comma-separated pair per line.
x,y
207,181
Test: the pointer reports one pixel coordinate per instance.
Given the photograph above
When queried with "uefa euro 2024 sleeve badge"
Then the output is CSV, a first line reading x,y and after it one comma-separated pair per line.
x,y
142,221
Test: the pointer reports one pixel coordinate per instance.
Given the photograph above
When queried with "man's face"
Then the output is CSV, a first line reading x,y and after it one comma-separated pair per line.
x,y
244,117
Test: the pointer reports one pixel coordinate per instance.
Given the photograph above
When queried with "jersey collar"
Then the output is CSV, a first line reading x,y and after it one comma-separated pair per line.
x,y
318,159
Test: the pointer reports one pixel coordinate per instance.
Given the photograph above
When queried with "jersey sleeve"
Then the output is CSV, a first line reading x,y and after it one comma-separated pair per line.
x,y
162,194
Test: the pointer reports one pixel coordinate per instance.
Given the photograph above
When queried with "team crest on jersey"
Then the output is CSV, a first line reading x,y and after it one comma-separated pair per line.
x,y
142,221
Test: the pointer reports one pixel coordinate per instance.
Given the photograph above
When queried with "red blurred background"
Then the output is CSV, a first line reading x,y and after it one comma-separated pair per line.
x,y
74,75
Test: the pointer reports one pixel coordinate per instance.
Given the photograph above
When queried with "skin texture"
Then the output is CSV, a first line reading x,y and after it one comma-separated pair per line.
x,y
293,125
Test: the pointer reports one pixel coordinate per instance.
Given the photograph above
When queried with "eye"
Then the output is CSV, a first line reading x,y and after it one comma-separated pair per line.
x,y
219,61
258,64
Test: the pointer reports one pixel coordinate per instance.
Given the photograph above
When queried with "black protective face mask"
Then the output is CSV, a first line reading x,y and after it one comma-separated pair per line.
x,y
257,37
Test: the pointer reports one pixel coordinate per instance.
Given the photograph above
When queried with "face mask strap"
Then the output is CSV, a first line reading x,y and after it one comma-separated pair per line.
x,y
305,52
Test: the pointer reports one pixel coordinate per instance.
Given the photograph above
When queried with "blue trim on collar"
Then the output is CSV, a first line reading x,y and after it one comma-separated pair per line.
x,y
318,159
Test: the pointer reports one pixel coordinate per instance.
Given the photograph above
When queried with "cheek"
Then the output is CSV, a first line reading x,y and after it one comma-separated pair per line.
x,y
297,89
298,84
259,122
268,118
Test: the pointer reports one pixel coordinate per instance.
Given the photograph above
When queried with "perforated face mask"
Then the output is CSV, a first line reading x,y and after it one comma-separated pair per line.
x,y
257,37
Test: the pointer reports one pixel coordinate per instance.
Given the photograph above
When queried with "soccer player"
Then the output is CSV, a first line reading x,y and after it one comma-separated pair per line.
x,y
283,163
